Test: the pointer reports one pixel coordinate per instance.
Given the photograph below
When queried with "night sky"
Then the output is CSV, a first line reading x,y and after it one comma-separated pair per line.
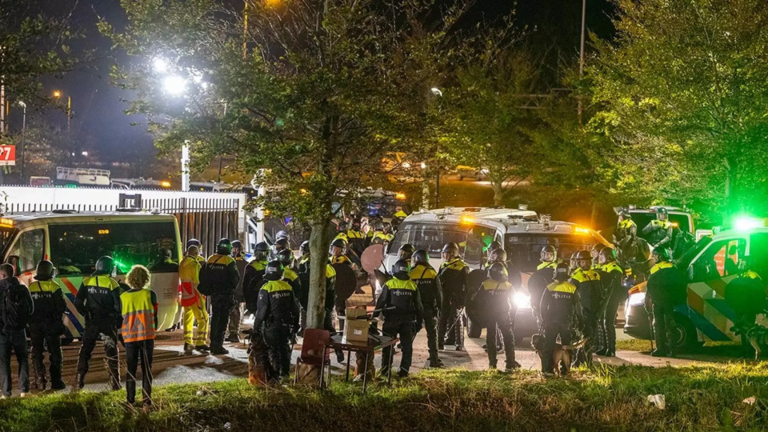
x,y
101,125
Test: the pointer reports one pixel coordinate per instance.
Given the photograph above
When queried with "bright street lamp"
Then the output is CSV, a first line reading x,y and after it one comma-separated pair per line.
x,y
85,153
160,65
174,85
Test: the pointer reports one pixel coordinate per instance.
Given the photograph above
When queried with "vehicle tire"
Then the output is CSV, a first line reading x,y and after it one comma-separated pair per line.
x,y
473,329
686,337
67,341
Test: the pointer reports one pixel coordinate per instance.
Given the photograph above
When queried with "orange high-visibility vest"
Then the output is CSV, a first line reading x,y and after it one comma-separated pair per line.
x,y
138,315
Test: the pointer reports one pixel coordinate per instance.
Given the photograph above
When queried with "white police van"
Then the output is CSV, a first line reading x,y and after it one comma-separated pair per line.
x,y
75,241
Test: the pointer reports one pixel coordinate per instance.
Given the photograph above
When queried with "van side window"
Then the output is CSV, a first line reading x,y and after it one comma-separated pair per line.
x,y
30,249
719,260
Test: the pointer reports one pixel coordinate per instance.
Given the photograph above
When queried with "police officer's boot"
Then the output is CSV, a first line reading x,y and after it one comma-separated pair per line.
x,y
459,334
79,383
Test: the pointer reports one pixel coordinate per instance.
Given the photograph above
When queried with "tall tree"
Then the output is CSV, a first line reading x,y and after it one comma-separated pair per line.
x,y
310,94
682,91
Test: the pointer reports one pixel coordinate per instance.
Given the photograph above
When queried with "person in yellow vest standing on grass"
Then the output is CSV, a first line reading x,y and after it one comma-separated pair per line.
x,y
139,310
193,302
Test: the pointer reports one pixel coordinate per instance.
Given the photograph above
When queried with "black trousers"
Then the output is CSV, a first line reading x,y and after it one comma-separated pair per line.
x,y
278,339
94,330
551,332
505,324
16,341
139,353
40,338
608,322
430,326
221,305
403,330
664,327
451,326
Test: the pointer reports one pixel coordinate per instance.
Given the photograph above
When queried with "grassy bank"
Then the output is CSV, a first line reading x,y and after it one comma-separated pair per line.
x,y
606,399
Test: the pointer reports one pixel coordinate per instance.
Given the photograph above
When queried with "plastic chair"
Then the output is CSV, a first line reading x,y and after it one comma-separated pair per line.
x,y
314,351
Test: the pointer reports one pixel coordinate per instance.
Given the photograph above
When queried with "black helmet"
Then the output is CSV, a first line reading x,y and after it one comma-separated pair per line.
x,y
608,254
281,243
401,269
282,234
497,272
104,265
387,226
342,226
406,251
304,248
193,242
260,251
662,213
274,271
339,243
224,247
497,256
378,226
420,257
625,214
561,272
356,224
582,255
548,249
45,271
661,254
450,248
494,245
285,257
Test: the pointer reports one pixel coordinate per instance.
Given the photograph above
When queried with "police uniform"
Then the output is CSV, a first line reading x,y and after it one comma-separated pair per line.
x,y
46,328
252,280
625,234
278,311
494,299
666,289
356,241
659,233
404,297
220,273
453,281
98,300
746,295
537,284
590,289
379,237
559,304
193,302
431,295
611,275
237,312
139,310
342,264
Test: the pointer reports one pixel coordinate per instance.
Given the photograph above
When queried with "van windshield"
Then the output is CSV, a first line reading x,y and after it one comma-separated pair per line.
x,y
429,236
524,250
75,248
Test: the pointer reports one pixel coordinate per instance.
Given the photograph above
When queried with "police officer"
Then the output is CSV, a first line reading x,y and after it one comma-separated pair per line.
x,y
453,280
543,276
431,294
405,252
746,296
220,278
559,306
626,230
255,269
46,326
193,302
590,289
286,259
237,312
387,230
98,300
278,312
341,233
280,245
303,270
378,236
659,231
356,238
611,275
494,299
400,303
666,289
338,249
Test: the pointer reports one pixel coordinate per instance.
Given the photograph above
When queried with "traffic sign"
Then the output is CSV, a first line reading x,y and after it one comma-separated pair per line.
x,y
7,155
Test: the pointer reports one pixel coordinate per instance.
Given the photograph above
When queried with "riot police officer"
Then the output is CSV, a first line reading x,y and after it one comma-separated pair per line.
x,y
98,300
378,236
278,312
626,230
659,231
255,269
387,230
431,295
302,270
559,306
237,312
666,289
46,325
341,232
400,303
280,245
405,252
590,289
611,275
540,278
453,280
494,299
219,279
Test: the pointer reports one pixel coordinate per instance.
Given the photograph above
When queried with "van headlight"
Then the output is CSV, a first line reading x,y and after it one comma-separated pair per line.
x,y
522,301
637,299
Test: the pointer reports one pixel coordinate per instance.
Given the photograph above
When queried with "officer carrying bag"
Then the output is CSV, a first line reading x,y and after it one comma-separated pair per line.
x,y
16,311
205,287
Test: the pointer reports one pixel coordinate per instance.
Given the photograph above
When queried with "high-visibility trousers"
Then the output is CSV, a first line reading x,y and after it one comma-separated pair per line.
x,y
196,312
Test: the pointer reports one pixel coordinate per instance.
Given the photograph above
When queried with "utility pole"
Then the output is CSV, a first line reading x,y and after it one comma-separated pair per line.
x,y
2,108
23,136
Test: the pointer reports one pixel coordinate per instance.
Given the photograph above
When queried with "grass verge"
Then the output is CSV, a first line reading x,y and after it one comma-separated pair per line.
x,y
640,345
697,399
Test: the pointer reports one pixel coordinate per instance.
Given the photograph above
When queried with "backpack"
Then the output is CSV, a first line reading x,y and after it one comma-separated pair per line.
x,y
205,287
16,310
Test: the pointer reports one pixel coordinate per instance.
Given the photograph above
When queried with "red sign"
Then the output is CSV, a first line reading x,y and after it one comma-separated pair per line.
x,y
7,155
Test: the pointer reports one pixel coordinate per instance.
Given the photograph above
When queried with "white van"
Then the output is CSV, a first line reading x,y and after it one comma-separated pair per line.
x,y
74,241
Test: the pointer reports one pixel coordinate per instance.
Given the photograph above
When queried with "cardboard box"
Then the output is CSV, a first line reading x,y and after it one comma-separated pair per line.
x,y
356,330
356,312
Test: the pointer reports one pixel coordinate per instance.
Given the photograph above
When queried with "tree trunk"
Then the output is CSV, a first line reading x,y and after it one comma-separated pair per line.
x,y
498,192
318,248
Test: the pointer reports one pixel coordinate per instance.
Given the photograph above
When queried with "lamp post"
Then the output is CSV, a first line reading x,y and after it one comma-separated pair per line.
x,y
438,93
23,133
57,95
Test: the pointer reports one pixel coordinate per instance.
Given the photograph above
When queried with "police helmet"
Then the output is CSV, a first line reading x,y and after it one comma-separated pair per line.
x,y
224,247
273,271
661,254
497,272
401,269
420,257
494,245
104,265
237,244
607,254
281,243
282,234
548,249
193,242
260,251
662,213
304,248
339,243
497,256
343,226
356,224
285,257
45,271
625,214
561,272
450,250
406,251
378,226
387,227
582,255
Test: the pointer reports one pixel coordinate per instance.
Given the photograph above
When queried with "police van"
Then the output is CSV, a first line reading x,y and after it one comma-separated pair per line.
x,y
522,232
75,241
709,266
